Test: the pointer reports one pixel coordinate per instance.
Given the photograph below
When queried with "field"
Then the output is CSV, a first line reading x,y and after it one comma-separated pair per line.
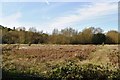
x,y
42,60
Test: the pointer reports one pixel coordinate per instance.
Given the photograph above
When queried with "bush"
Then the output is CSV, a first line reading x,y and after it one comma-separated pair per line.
x,y
72,71
68,71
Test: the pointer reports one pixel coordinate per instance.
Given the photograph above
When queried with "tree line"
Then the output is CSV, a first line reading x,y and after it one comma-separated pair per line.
x,y
68,35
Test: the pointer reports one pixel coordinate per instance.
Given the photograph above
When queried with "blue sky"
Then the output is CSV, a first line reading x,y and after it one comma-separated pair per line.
x,y
49,15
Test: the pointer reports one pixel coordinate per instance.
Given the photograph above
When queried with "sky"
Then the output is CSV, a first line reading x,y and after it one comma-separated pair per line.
x,y
49,15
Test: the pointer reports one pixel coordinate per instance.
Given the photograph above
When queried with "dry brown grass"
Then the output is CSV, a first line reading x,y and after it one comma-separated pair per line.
x,y
51,53
43,56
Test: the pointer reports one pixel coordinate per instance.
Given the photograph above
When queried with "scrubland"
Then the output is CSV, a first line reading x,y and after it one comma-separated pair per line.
x,y
61,62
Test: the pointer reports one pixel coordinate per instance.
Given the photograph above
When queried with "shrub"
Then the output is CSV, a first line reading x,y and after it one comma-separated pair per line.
x,y
72,71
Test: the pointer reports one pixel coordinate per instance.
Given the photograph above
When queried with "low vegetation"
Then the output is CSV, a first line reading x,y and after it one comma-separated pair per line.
x,y
57,62
63,55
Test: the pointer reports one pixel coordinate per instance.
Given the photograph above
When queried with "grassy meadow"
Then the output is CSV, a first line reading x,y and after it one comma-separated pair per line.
x,y
51,61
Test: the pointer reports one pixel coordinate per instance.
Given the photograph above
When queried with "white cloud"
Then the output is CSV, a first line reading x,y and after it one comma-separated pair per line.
x,y
47,2
79,15
87,13
11,20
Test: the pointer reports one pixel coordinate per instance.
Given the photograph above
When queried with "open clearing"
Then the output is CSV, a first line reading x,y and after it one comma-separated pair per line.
x,y
35,54
42,58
